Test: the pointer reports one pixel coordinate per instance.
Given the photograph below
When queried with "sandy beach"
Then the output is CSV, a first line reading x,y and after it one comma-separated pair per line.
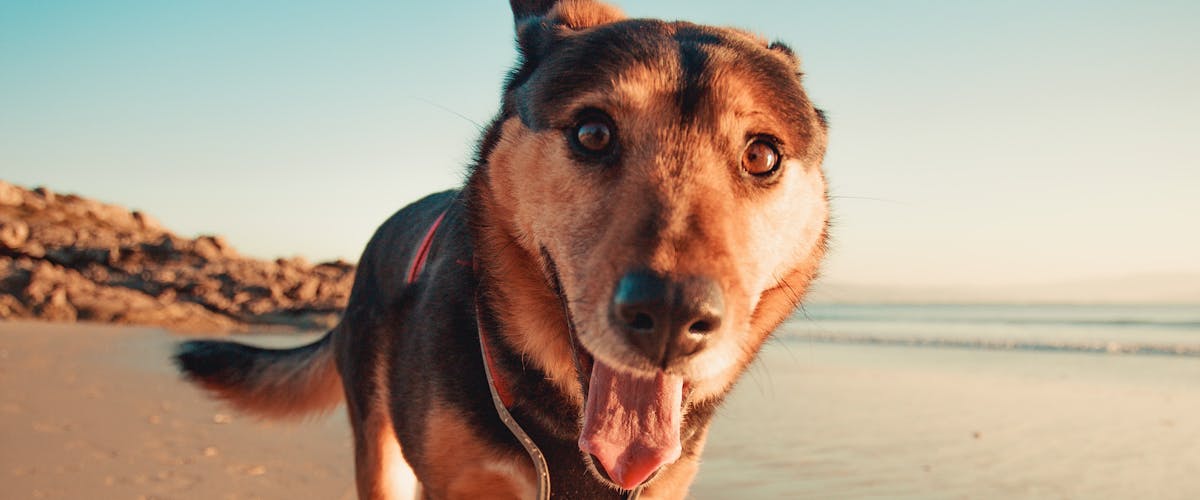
x,y
91,411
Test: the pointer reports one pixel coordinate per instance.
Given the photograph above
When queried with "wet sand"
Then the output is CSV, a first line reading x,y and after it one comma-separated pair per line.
x,y
850,421
90,411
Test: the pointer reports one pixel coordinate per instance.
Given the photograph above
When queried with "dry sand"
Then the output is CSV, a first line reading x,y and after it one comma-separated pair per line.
x,y
96,412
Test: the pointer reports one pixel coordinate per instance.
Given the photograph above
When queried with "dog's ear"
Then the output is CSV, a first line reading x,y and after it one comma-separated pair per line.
x,y
540,22
781,49
523,9
541,25
582,14
574,14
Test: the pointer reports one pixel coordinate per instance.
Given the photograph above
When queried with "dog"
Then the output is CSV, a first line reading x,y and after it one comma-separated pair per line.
x,y
646,207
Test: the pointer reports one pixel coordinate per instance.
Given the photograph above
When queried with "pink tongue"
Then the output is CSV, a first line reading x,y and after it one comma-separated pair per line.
x,y
631,424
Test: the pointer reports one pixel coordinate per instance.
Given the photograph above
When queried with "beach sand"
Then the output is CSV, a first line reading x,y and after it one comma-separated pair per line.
x,y
90,411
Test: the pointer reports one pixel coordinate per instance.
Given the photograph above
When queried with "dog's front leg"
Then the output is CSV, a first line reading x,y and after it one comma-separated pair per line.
x,y
381,472
458,464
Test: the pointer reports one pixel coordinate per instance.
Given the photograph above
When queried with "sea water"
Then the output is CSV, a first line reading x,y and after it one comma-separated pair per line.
x,y
965,401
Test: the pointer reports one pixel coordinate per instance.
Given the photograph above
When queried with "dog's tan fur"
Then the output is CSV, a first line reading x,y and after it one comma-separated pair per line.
x,y
581,14
463,466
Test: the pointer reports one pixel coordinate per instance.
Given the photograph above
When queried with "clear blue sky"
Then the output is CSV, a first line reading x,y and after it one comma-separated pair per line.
x,y
973,142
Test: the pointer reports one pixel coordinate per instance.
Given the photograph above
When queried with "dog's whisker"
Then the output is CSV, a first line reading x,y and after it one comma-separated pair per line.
x,y
478,126
792,294
803,309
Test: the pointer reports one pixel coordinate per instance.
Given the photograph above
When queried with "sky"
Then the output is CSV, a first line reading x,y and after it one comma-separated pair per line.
x,y
972,143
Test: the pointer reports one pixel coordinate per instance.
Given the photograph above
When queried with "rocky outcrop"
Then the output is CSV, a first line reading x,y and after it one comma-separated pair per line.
x,y
68,258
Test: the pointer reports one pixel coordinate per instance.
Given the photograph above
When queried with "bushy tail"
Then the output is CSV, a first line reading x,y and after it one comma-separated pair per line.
x,y
276,383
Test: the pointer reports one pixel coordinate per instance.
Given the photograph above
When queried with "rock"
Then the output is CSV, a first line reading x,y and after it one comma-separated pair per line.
x,y
305,291
296,262
213,248
43,280
206,248
114,216
167,296
32,202
96,273
53,235
10,195
78,257
45,193
161,250
11,308
57,308
165,275
145,221
260,307
13,234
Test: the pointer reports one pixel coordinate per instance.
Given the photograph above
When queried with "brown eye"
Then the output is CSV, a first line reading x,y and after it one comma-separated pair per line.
x,y
760,158
593,135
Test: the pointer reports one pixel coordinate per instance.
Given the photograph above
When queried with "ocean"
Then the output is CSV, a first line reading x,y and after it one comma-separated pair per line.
x,y
965,401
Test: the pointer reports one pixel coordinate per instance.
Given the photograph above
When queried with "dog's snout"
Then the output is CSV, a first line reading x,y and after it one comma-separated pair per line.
x,y
667,319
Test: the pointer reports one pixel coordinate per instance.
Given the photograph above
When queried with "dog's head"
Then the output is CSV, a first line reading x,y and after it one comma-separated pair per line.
x,y
665,178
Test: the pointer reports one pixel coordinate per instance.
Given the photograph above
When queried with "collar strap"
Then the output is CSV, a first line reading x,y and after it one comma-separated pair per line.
x,y
502,399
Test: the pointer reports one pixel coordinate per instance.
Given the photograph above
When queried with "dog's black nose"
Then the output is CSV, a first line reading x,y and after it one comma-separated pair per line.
x,y
667,319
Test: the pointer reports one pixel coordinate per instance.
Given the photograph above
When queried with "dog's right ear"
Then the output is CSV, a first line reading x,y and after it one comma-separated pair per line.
x,y
539,23
574,14
523,9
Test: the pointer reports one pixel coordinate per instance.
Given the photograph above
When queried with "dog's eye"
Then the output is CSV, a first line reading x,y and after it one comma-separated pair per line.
x,y
593,135
761,158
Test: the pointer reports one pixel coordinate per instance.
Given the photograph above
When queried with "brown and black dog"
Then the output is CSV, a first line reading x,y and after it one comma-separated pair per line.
x,y
646,207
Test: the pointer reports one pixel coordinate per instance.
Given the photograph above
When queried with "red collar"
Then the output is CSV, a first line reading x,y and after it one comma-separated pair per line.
x,y
418,263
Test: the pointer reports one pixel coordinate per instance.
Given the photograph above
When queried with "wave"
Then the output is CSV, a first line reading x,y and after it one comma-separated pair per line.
x,y
1115,322
1119,348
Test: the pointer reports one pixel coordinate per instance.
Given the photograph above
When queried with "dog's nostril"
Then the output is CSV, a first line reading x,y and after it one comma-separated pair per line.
x,y
701,327
639,302
642,321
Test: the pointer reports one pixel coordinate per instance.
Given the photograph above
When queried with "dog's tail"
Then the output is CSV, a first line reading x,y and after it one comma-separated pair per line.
x,y
275,383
